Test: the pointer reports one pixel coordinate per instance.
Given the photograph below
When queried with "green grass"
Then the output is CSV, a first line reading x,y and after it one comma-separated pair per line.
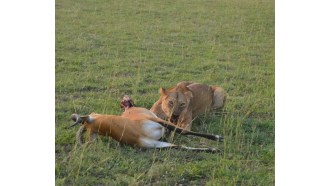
x,y
105,49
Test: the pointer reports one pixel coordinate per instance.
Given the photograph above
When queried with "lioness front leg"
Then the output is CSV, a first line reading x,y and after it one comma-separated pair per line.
x,y
185,121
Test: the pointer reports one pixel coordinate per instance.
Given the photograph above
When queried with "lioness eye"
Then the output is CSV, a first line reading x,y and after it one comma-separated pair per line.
x,y
182,104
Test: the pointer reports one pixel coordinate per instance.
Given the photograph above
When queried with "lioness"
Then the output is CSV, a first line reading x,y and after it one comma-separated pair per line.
x,y
186,100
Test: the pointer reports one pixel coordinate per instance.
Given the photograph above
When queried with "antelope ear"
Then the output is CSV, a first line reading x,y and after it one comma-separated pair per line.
x,y
88,119
162,91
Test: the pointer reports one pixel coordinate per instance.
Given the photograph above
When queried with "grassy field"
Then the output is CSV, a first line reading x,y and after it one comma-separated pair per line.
x,y
105,49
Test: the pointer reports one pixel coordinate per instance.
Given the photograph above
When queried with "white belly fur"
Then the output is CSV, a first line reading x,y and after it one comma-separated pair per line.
x,y
153,130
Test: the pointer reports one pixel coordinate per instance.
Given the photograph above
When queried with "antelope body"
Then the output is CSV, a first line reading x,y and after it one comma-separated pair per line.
x,y
136,127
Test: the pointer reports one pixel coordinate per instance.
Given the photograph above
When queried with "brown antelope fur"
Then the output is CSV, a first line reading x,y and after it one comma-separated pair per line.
x,y
181,103
136,127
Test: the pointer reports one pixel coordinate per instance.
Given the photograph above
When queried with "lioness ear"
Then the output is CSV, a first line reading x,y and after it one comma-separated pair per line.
x,y
188,94
162,91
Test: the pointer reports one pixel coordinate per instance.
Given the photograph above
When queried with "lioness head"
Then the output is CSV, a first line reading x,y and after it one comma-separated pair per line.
x,y
175,101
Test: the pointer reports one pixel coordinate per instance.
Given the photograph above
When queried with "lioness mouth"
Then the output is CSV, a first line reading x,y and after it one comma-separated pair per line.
x,y
174,118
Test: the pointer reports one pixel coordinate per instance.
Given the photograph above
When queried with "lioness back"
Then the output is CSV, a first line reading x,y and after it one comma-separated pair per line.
x,y
201,100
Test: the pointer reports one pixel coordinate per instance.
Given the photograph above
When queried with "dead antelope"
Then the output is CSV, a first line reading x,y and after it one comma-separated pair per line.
x,y
136,127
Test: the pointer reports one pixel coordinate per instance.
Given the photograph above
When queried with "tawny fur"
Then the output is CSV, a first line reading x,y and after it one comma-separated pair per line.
x,y
183,102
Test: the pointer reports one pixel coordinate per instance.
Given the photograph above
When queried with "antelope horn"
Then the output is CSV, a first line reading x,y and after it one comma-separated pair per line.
x,y
77,119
